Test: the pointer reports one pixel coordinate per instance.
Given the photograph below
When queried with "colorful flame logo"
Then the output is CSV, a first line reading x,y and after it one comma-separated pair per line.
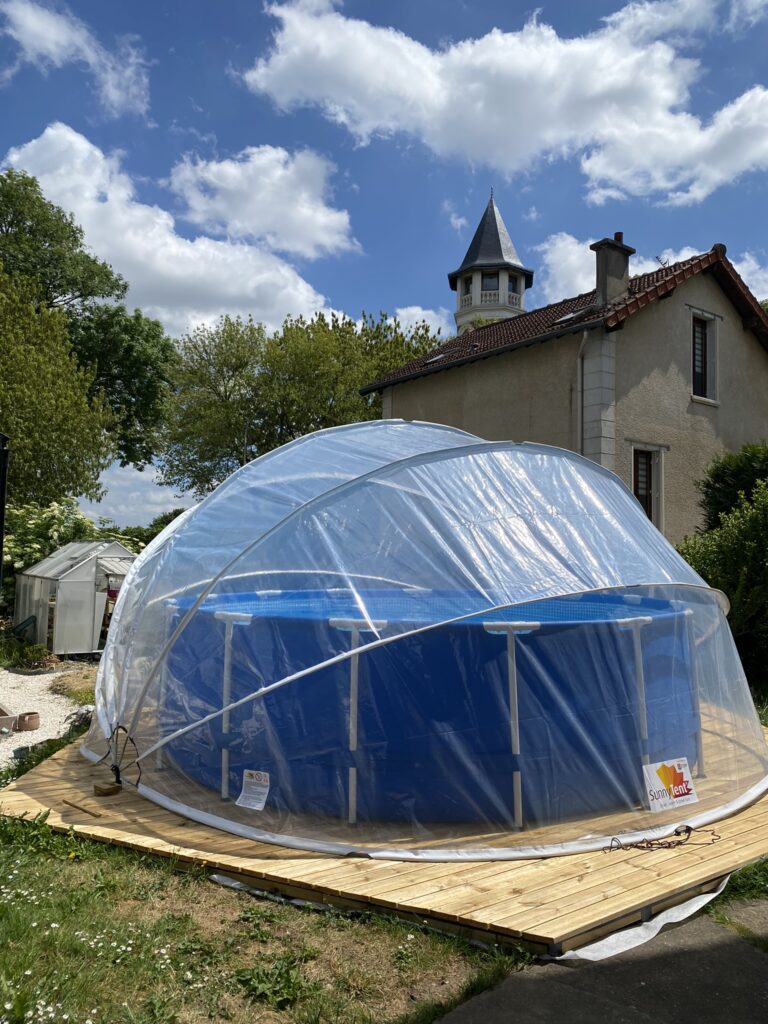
x,y
674,781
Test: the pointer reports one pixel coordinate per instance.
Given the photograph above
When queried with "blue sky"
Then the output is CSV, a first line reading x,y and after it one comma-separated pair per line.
x,y
283,158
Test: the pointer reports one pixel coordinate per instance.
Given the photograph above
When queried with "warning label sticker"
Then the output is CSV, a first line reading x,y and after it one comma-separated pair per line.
x,y
669,784
255,790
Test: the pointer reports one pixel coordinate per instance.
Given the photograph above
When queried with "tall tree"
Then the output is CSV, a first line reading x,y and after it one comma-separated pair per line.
x,y
131,360
39,240
239,393
212,416
127,354
58,437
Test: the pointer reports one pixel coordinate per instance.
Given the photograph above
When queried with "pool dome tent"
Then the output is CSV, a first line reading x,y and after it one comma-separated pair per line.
x,y
397,639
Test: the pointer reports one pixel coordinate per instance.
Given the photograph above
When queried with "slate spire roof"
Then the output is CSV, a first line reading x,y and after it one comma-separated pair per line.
x,y
490,247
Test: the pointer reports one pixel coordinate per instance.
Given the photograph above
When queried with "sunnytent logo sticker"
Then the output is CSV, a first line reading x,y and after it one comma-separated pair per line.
x,y
669,784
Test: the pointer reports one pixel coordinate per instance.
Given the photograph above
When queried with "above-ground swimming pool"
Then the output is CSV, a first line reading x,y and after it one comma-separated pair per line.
x,y
523,717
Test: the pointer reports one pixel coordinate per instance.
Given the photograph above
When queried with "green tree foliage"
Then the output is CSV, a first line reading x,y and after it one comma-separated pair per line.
x,y
144,534
58,438
734,558
128,355
728,477
212,416
38,240
239,393
131,360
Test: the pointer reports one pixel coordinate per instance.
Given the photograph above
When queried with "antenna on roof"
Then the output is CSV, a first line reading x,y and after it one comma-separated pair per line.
x,y
661,262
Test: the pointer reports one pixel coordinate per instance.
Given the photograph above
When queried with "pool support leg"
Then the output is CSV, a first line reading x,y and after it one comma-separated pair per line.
x,y
700,772
635,626
355,626
511,629
230,620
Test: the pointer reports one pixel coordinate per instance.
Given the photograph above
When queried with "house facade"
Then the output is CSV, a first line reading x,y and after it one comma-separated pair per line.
x,y
651,376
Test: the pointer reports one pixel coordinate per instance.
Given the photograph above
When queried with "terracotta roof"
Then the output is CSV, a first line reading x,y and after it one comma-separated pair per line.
x,y
580,313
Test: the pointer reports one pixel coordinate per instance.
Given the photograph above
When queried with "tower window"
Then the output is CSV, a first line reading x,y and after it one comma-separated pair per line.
x,y
490,283
466,286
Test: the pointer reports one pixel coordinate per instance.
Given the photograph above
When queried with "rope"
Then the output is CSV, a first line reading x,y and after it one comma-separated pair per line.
x,y
680,837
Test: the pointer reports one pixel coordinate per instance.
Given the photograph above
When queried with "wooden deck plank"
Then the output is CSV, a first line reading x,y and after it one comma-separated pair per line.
x,y
560,901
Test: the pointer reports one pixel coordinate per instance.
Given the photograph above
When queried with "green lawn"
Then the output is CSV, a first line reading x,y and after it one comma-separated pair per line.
x,y
93,932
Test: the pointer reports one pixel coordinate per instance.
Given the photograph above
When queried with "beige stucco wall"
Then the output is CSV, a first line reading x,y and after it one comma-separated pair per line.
x,y
653,395
527,395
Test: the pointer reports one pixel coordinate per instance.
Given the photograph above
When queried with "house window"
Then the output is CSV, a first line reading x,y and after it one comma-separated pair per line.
x,y
700,359
490,283
643,483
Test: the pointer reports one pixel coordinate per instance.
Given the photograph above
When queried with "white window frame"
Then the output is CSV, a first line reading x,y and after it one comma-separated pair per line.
x,y
713,348
657,476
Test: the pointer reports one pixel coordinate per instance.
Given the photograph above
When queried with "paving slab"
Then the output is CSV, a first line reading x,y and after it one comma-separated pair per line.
x,y
752,914
698,973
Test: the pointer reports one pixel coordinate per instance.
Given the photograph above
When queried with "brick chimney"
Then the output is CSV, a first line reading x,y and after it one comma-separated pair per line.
x,y
612,266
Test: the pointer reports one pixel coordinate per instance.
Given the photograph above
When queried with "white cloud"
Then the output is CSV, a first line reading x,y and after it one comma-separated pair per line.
x,y
179,280
754,273
568,266
50,39
745,14
457,222
265,194
436,319
531,214
616,98
133,497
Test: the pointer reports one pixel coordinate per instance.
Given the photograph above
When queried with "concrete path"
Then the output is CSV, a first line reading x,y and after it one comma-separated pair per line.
x,y
701,972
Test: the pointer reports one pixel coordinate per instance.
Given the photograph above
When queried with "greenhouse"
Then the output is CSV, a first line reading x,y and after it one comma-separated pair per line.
x,y
395,639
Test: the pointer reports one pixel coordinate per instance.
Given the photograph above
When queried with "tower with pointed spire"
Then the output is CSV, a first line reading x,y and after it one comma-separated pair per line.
x,y
491,282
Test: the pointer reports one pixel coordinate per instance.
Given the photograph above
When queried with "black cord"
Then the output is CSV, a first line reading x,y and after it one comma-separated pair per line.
x,y
680,837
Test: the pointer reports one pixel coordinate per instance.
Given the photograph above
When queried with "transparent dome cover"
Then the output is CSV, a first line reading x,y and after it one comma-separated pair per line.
x,y
398,640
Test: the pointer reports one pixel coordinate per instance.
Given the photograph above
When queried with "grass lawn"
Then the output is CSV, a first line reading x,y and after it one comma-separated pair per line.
x,y
90,932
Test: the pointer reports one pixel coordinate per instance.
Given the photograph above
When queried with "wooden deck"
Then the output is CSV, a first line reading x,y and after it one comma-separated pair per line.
x,y
550,905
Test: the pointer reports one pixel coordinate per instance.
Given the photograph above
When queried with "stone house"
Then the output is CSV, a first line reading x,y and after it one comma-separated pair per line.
x,y
651,376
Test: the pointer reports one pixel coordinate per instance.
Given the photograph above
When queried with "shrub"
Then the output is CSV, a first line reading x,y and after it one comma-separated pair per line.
x,y
734,558
729,476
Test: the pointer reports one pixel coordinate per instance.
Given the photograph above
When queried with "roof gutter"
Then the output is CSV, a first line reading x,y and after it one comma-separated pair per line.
x,y
526,343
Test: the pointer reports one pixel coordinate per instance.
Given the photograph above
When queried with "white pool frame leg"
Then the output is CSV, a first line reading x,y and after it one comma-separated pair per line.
x,y
355,627
700,771
230,620
511,629
635,625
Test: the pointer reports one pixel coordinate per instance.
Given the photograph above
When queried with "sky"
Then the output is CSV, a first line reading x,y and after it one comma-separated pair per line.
x,y
309,155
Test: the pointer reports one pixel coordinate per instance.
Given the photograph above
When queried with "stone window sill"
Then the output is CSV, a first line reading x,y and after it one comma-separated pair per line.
x,y
705,401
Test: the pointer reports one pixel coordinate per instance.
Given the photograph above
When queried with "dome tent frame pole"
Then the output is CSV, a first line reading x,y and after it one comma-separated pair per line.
x,y
318,501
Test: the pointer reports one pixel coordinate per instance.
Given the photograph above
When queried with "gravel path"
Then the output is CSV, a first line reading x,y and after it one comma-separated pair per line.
x,y
19,693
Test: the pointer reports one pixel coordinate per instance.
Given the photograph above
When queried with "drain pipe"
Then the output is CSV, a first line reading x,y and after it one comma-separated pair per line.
x,y
580,394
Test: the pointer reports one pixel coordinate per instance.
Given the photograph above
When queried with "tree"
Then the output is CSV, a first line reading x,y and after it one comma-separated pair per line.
x,y
58,438
128,355
131,360
239,393
38,240
728,477
212,415
733,559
